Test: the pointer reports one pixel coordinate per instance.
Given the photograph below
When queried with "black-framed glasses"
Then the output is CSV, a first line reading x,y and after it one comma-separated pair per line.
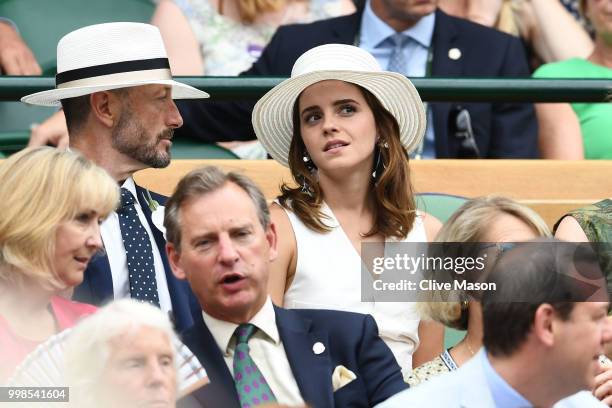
x,y
462,123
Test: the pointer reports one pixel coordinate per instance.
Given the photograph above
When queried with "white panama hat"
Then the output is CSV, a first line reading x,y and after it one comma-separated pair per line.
x,y
109,56
273,114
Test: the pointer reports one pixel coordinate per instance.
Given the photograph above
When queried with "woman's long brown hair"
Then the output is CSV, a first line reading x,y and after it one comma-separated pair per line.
x,y
394,208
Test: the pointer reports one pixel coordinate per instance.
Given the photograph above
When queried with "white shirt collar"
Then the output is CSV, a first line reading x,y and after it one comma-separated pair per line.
x,y
264,320
375,31
131,186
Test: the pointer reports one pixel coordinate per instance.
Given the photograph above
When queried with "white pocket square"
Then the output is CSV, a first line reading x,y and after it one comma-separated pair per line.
x,y
342,376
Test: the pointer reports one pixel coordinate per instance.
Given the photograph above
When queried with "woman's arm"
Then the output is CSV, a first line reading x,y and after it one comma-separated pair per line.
x,y
483,12
181,44
570,230
431,334
559,135
282,269
431,342
432,226
556,35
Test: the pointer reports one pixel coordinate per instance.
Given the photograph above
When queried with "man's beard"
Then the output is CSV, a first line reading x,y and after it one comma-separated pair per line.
x,y
131,138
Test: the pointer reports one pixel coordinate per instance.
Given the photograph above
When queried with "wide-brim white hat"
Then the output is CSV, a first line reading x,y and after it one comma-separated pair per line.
x,y
109,56
273,114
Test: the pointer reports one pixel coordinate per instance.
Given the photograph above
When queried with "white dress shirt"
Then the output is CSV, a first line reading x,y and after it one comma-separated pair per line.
x,y
115,251
266,350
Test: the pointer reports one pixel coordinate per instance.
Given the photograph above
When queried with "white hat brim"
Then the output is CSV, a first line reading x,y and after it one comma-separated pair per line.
x,y
273,114
54,96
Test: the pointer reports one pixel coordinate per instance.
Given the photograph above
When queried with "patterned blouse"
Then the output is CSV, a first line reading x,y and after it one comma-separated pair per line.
x,y
444,363
596,222
229,47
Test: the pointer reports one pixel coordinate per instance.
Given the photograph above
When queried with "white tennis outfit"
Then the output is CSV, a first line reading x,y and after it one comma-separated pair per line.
x,y
328,276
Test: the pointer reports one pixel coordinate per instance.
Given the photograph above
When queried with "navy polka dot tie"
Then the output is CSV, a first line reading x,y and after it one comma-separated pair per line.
x,y
141,269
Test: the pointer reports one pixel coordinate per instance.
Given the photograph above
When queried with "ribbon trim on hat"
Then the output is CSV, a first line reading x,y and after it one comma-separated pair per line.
x,y
112,68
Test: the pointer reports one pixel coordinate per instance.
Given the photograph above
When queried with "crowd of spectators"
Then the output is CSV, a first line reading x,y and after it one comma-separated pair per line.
x,y
268,297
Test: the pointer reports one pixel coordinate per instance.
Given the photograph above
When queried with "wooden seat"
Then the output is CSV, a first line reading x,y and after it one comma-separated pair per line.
x,y
550,187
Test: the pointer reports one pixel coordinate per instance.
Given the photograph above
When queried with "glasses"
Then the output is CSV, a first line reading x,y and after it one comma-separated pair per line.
x,y
501,247
464,132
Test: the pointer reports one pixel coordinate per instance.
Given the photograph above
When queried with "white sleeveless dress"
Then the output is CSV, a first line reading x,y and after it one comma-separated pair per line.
x,y
328,276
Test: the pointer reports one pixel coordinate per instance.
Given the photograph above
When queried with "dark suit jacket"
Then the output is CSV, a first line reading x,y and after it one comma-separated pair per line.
x,y
350,339
97,286
506,130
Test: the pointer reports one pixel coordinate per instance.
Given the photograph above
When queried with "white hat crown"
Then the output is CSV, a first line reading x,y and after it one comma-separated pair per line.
x,y
273,114
335,57
109,56
109,43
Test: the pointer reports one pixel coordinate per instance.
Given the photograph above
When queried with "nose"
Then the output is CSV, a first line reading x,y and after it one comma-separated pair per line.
x,y
94,240
227,250
329,125
174,119
607,331
155,377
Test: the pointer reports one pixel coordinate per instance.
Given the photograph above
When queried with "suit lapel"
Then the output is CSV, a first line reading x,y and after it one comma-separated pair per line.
x,y
178,290
159,237
97,285
445,38
220,392
312,371
346,30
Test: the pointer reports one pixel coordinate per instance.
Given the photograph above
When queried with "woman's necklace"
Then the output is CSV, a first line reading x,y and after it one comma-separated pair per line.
x,y
467,343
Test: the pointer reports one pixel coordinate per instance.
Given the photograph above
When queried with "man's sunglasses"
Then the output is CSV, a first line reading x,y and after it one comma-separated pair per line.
x,y
462,123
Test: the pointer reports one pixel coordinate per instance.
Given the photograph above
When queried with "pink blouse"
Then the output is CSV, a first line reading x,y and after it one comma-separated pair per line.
x,y
14,348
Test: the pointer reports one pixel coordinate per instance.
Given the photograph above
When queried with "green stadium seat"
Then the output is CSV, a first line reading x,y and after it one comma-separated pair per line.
x,y
42,22
441,206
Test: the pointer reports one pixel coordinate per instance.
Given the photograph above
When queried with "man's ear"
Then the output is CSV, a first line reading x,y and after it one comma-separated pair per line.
x,y
546,324
106,107
174,258
272,241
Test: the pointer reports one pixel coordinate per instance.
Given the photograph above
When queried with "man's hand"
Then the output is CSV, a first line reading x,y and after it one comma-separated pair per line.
x,y
603,385
52,131
15,56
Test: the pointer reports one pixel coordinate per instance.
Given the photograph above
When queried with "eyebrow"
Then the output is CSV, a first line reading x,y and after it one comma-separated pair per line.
x,y
214,234
335,103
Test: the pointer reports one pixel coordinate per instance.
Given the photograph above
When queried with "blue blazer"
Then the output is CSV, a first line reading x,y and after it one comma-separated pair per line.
x,y
350,339
97,286
468,387
507,130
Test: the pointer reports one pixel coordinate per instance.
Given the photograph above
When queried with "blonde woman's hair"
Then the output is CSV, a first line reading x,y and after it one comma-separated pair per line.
x,y
40,188
469,224
250,9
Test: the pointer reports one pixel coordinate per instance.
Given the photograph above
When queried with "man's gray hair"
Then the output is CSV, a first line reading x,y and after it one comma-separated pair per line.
x,y
204,181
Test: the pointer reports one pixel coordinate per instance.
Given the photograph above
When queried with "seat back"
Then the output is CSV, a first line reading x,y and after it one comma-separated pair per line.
x,y
42,22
